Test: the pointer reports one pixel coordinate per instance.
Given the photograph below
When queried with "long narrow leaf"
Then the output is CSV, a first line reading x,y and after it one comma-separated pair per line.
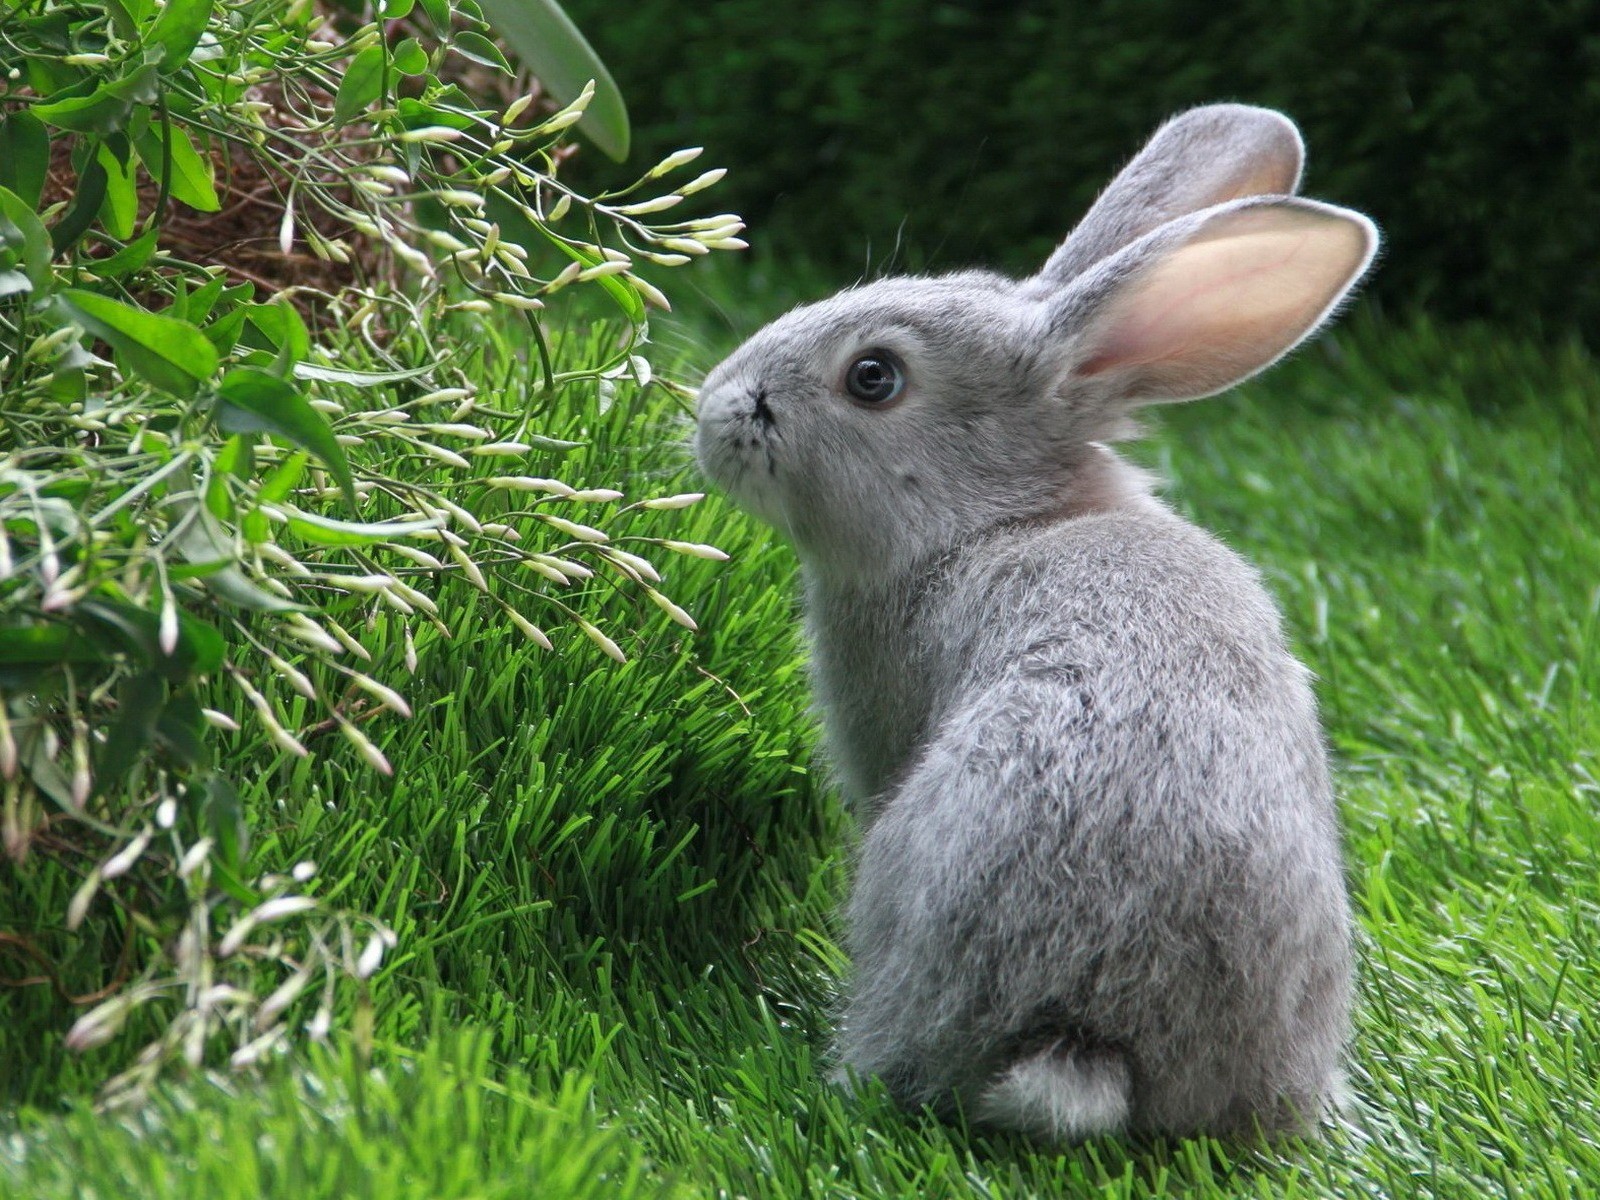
x,y
328,532
254,400
547,41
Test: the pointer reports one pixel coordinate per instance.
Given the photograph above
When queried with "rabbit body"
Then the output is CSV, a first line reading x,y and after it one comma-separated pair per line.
x,y
1099,886
1098,826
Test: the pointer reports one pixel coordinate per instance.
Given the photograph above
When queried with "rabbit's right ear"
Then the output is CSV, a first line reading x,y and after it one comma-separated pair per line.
x,y
1208,300
1200,158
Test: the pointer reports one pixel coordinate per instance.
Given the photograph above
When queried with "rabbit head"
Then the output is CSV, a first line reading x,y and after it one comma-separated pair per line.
x,y
884,424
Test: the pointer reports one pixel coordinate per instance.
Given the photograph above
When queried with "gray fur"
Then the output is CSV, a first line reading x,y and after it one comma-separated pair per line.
x,y
1099,886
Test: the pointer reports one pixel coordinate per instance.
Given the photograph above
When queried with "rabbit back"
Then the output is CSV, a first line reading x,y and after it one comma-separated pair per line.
x,y
1111,834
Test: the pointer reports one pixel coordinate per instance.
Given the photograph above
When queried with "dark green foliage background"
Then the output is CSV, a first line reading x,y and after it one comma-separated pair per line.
x,y
904,134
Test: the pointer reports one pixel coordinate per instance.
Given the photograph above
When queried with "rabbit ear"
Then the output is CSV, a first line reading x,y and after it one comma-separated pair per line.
x,y
1198,159
1210,299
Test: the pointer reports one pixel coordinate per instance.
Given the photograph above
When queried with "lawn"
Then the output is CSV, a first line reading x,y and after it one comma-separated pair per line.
x,y
614,885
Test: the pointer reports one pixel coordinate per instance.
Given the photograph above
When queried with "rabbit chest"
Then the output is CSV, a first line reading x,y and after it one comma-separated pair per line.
x,y
878,675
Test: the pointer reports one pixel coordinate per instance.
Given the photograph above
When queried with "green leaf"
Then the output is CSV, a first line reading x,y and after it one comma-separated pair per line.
x,y
139,702
202,300
177,31
394,10
222,813
479,49
46,775
28,645
181,730
414,114
75,222
192,180
22,231
99,113
224,331
24,155
172,354
119,210
70,384
126,15
127,260
277,327
305,370
255,527
254,400
361,85
283,480
439,13
198,650
410,58
218,502
141,85
200,540
547,41
326,531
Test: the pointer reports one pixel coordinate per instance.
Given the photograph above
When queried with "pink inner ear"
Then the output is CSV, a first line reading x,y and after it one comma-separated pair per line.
x,y
1229,301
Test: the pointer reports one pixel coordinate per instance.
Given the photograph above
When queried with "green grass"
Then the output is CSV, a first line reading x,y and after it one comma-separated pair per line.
x,y
615,886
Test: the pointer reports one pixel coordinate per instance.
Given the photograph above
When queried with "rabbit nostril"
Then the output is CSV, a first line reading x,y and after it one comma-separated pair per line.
x,y
763,411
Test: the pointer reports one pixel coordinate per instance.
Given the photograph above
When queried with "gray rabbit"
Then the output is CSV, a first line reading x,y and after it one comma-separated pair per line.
x,y
1100,885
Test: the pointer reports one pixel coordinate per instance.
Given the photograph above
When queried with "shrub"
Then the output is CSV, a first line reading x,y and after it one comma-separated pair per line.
x,y
907,134
211,498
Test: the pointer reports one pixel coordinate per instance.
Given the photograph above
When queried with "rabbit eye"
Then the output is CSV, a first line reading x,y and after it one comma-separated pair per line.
x,y
875,378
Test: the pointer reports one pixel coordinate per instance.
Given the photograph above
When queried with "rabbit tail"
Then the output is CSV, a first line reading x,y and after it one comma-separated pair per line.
x,y
1061,1094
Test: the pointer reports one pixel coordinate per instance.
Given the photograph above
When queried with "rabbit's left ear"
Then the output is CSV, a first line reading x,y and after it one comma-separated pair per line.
x,y
1200,158
1206,301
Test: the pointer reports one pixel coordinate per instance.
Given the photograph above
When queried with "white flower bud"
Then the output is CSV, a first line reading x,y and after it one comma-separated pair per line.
x,y
678,158
371,754
371,957
682,500
644,207
638,568
386,696
100,1024
529,483
119,863
672,610
526,303
585,533
696,550
600,270
700,182
78,906
516,108
193,857
531,631
610,648
684,245
432,135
